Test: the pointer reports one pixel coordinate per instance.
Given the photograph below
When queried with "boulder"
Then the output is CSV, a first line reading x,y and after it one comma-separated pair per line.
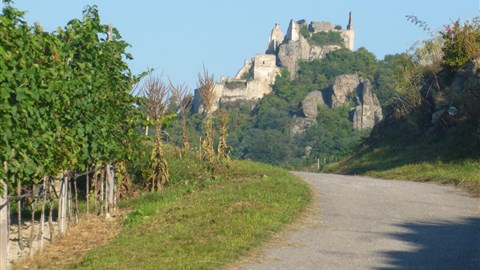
x,y
367,111
310,104
343,87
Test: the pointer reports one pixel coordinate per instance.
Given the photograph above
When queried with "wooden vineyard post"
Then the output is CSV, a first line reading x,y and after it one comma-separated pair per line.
x,y
87,192
62,205
42,214
110,191
3,227
19,218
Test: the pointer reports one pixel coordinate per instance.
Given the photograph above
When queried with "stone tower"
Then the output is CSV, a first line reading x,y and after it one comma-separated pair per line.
x,y
350,23
349,34
294,29
276,38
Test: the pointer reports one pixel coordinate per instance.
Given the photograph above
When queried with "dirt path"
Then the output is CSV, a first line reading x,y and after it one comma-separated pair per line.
x,y
365,223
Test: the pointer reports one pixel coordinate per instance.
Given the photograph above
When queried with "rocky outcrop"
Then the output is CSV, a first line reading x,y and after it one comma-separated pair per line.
x,y
342,89
291,52
367,111
345,88
465,79
310,104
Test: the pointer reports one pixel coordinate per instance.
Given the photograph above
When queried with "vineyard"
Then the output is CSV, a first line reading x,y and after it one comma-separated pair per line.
x,y
68,119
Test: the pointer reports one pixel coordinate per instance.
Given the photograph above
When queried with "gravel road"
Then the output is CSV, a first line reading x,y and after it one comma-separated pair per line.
x,y
365,223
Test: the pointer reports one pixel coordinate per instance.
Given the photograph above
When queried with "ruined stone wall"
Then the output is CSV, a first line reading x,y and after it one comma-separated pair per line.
x,y
245,69
265,68
349,38
276,38
293,30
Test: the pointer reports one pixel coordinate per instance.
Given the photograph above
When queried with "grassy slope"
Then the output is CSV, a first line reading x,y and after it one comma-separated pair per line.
x,y
441,161
203,224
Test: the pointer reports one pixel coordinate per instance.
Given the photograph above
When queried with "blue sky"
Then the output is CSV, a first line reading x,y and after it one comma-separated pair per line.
x,y
177,37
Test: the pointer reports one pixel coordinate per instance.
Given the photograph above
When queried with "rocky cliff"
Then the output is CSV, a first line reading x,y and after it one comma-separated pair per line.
x,y
291,52
345,89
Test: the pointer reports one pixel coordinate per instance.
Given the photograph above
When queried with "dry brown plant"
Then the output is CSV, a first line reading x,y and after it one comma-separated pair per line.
x,y
183,99
223,149
206,86
157,94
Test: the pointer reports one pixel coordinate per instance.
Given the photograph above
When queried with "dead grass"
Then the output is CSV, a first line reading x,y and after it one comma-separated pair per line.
x,y
71,248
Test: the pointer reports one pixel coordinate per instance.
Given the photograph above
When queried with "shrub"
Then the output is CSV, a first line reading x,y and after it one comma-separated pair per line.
x,y
461,43
327,38
304,31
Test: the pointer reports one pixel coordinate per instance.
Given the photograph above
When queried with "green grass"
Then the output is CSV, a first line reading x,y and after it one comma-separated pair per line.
x,y
418,162
203,224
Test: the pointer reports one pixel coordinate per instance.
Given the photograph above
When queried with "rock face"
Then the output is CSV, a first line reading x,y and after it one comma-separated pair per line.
x,y
291,52
310,104
368,110
345,88
465,79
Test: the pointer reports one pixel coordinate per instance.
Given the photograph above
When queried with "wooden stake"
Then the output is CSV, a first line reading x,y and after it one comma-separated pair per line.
x,y
76,199
19,218
62,206
87,191
102,192
95,194
69,202
32,227
42,215
50,211
110,190
3,226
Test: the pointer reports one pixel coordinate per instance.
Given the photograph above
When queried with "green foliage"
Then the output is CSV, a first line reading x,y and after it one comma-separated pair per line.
x,y
333,134
338,62
268,145
391,77
304,31
327,38
65,97
264,133
461,43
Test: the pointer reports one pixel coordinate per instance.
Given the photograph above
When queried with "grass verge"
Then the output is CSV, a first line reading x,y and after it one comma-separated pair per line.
x,y
421,162
203,224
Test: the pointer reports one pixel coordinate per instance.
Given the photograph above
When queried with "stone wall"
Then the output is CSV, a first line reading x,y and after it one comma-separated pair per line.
x,y
265,68
245,69
231,89
276,38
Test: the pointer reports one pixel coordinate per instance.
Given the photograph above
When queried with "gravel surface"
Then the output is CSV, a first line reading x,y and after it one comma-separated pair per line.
x,y
365,223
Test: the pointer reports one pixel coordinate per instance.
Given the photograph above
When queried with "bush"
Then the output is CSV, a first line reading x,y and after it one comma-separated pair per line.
x,y
327,38
304,31
461,43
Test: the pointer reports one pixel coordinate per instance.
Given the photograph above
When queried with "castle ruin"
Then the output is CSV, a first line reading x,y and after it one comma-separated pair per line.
x,y
255,78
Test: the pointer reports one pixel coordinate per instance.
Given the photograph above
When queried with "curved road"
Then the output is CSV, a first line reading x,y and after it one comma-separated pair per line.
x,y
365,223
